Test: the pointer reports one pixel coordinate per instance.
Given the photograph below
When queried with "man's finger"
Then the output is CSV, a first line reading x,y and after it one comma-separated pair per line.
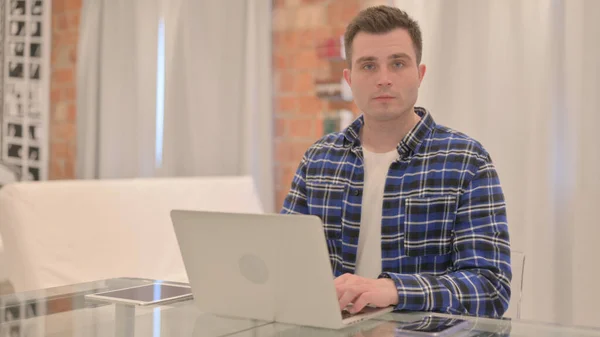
x,y
342,279
348,297
340,290
362,301
351,279
350,293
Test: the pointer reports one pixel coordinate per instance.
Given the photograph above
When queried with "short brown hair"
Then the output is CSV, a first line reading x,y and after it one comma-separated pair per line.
x,y
379,20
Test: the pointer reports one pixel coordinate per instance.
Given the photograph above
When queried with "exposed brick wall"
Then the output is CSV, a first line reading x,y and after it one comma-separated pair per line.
x,y
65,28
299,26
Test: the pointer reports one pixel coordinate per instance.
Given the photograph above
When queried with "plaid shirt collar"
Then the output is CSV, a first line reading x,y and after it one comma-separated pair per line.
x,y
409,143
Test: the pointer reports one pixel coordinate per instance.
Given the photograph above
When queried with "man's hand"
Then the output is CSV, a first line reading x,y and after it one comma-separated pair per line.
x,y
361,291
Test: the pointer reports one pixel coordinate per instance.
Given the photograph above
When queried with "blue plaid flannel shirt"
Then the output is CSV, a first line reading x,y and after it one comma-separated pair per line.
x,y
445,240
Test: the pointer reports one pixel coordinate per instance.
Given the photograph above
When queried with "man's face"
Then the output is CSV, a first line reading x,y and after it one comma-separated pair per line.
x,y
384,77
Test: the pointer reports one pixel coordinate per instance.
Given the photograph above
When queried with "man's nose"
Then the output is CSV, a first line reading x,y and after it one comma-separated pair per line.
x,y
384,79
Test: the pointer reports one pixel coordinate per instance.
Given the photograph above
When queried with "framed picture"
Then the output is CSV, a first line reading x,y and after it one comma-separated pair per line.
x,y
34,71
14,130
17,7
14,99
15,69
16,28
31,310
34,132
33,154
35,50
36,29
34,174
35,97
36,8
15,151
12,312
16,49
25,88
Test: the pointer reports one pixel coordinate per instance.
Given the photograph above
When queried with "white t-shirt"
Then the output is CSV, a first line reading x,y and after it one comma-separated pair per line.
x,y
376,167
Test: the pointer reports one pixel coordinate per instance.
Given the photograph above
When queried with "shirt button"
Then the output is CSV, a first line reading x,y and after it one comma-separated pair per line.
x,y
356,192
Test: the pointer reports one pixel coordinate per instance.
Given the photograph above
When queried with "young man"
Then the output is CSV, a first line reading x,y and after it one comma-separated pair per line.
x,y
413,212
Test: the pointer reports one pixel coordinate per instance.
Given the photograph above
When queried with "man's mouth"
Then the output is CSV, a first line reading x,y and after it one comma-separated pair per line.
x,y
384,97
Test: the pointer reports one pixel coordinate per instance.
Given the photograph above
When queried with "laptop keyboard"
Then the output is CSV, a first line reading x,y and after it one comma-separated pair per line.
x,y
365,310
346,314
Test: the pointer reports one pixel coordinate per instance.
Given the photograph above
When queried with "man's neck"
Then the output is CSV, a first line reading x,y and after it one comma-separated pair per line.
x,y
384,136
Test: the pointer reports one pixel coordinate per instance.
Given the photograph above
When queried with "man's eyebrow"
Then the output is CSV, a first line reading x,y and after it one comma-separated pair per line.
x,y
366,59
391,57
399,56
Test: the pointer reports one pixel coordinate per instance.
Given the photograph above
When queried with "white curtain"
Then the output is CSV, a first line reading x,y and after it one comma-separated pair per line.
x,y
217,90
116,88
523,78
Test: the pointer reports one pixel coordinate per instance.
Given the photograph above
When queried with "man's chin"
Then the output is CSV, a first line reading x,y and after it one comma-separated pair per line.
x,y
384,116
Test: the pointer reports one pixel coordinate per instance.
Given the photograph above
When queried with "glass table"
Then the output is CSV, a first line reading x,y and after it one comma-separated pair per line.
x,y
63,311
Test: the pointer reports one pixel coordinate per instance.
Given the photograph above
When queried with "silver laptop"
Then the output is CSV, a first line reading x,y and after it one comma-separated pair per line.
x,y
268,267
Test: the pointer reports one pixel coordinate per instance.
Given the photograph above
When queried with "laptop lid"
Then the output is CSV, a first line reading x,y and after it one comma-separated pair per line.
x,y
269,267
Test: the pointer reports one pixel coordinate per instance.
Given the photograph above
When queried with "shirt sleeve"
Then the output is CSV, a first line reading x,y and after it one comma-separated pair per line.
x,y
479,283
296,201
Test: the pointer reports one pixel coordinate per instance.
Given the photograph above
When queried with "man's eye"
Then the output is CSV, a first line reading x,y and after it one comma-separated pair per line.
x,y
368,67
398,64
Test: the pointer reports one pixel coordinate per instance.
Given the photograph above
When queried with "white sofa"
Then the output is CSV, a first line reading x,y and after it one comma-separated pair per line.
x,y
64,232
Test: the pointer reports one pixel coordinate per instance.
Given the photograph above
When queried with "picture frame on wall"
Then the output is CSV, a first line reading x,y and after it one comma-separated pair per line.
x,y
34,71
36,8
25,86
14,130
16,49
36,28
15,69
17,7
35,50
17,28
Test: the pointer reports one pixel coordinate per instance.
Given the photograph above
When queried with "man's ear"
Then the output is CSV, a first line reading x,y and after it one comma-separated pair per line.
x,y
347,76
422,71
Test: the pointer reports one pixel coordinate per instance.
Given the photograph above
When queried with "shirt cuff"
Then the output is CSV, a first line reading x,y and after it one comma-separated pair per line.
x,y
414,291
